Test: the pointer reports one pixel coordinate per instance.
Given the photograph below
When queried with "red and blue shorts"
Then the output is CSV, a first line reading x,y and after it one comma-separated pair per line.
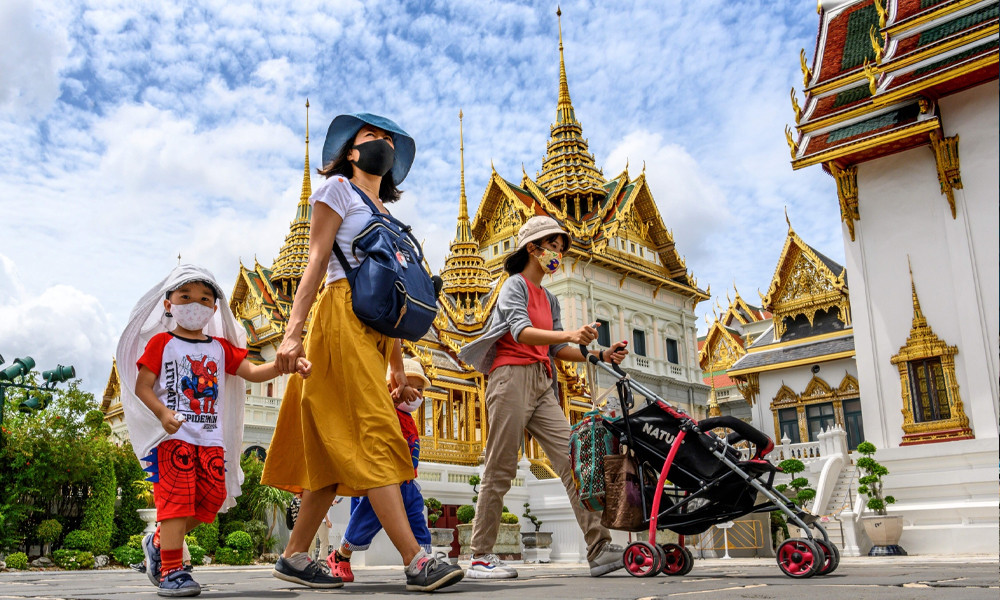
x,y
191,481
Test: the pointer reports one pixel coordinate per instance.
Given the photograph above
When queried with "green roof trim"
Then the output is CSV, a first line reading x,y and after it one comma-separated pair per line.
x,y
857,45
852,95
885,120
964,22
956,58
930,3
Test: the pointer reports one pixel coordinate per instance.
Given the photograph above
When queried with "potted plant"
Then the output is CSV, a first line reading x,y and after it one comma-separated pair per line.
x,y
441,537
883,529
465,514
801,495
144,492
537,543
508,544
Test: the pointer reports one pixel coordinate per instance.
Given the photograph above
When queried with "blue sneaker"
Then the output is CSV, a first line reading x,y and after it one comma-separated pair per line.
x,y
312,575
152,554
178,583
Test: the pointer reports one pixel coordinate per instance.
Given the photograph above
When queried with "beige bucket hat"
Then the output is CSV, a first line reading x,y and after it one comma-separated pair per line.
x,y
538,228
412,368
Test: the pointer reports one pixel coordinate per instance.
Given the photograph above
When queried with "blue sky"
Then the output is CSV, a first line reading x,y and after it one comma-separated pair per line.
x,y
134,131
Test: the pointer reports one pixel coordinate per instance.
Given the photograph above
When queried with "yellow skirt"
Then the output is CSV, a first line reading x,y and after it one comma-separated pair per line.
x,y
339,426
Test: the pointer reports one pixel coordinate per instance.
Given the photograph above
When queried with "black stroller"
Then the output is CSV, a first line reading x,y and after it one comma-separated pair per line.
x,y
703,481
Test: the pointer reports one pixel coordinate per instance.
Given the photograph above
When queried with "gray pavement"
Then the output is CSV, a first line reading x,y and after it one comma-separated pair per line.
x,y
904,578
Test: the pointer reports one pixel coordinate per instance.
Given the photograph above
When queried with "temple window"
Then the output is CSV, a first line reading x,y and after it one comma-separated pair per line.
x,y
788,422
603,333
927,390
639,342
672,356
818,418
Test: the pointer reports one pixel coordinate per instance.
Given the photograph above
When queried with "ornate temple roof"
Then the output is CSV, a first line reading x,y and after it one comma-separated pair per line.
x,y
805,282
878,69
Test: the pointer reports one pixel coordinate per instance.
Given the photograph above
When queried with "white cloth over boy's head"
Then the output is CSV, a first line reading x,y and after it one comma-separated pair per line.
x,y
148,319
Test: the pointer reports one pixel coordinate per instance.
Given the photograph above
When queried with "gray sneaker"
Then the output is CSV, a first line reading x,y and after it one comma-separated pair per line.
x,y
489,566
607,560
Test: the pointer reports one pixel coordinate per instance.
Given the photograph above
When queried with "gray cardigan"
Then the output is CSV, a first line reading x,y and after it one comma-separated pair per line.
x,y
509,315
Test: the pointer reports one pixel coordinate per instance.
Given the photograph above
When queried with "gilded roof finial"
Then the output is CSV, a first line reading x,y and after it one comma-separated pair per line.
x,y
294,253
178,258
786,218
565,112
463,208
918,315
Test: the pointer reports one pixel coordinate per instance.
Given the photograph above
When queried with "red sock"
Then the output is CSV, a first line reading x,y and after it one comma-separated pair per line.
x,y
156,538
172,560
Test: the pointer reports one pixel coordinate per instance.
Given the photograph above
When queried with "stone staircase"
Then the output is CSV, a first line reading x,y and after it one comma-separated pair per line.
x,y
843,496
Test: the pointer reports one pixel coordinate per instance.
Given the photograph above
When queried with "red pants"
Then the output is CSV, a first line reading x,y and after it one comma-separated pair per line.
x,y
192,481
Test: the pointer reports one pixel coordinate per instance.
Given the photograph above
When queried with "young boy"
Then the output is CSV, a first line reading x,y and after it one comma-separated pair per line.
x,y
189,384
363,524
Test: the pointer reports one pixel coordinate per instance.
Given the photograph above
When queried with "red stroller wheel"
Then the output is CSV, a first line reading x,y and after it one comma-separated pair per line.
x,y
800,558
679,560
832,557
643,559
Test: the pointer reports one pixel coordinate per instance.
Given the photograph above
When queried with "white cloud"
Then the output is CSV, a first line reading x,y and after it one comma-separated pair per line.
x,y
62,325
33,52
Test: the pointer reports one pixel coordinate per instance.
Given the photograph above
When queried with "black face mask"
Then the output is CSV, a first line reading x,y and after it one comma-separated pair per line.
x,y
375,157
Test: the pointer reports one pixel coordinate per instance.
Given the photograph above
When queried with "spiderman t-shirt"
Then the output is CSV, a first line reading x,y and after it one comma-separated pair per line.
x,y
189,381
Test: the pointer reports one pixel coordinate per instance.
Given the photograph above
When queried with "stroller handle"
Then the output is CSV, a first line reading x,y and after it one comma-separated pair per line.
x,y
596,361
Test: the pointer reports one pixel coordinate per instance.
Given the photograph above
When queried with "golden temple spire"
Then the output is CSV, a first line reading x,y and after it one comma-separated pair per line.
x,y
564,110
465,275
569,175
294,254
918,315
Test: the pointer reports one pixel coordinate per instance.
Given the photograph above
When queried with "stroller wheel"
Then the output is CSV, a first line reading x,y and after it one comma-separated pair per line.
x,y
678,560
800,558
643,559
832,556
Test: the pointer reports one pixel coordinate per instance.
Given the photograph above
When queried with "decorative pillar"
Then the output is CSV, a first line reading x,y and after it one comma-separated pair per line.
x,y
847,192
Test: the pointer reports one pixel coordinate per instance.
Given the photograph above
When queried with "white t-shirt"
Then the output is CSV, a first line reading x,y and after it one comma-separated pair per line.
x,y
189,381
337,193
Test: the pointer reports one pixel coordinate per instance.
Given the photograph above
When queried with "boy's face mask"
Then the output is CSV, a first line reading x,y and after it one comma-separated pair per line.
x,y
375,157
549,259
410,407
192,316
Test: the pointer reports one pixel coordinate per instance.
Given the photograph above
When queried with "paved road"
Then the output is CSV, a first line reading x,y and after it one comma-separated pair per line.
x,y
903,578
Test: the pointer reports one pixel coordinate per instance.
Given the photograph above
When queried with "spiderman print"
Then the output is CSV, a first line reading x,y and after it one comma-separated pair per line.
x,y
201,384
190,480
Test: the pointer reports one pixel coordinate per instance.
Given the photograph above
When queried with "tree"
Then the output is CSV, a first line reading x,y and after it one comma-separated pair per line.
x,y
871,480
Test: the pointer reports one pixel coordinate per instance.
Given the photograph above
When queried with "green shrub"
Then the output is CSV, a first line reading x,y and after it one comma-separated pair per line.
x,y
232,526
231,556
197,554
135,541
17,560
49,531
239,540
190,540
73,560
509,518
799,485
871,479
79,539
258,533
127,555
127,519
208,536
465,513
99,510
433,510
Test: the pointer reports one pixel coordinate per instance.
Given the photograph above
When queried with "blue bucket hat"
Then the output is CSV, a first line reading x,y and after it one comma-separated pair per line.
x,y
345,127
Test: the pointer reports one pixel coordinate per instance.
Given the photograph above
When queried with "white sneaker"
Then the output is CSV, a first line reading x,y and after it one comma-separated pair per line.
x,y
489,566
607,560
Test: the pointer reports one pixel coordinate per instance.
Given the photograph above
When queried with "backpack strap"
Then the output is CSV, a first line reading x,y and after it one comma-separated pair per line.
x,y
336,247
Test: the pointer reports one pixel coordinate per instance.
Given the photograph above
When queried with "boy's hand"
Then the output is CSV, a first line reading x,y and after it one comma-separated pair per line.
x,y
583,335
303,367
171,421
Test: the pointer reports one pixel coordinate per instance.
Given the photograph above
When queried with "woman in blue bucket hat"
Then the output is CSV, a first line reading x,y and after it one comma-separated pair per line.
x,y
337,433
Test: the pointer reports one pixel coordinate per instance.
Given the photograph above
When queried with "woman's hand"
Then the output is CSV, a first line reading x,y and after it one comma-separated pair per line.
x,y
616,353
583,335
401,390
289,353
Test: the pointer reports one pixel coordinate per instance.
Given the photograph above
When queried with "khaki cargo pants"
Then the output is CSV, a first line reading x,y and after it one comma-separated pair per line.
x,y
520,397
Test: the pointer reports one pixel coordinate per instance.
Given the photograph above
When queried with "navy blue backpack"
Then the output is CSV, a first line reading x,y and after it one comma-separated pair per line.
x,y
391,291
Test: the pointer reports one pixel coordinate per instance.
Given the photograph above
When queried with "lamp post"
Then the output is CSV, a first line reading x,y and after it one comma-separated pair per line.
x,y
14,377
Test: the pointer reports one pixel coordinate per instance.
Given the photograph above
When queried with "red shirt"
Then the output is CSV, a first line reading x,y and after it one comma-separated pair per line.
x,y
510,352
